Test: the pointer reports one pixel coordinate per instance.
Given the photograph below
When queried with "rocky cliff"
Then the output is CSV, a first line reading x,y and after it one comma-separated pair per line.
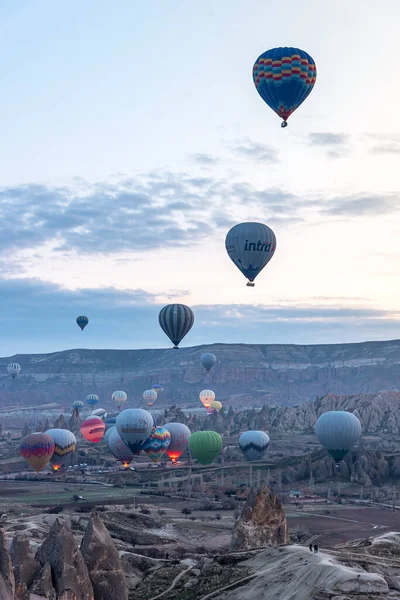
x,y
244,374
262,522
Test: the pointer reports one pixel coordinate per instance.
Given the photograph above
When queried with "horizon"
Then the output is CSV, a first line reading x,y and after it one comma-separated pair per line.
x,y
134,139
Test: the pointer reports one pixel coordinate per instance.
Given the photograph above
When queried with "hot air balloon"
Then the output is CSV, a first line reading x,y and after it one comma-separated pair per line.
x,y
64,446
208,360
158,388
108,432
77,405
14,369
250,246
82,322
92,399
157,444
206,397
338,431
110,422
216,405
253,444
37,449
134,426
119,398
93,429
176,320
100,412
205,446
117,447
180,435
284,77
150,396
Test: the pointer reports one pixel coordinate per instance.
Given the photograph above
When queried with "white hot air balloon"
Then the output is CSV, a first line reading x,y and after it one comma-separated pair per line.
x,y
14,369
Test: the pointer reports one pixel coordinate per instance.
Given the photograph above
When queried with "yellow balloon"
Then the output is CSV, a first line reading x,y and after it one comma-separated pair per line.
x,y
216,405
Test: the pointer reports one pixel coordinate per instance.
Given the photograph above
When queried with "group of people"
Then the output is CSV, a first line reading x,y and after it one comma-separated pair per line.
x,y
315,548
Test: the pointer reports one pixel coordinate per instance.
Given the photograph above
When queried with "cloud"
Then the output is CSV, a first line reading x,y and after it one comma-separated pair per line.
x,y
255,151
362,206
37,316
205,159
388,148
336,144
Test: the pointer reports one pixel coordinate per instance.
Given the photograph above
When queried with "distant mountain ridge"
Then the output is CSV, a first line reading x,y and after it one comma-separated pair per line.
x,y
245,375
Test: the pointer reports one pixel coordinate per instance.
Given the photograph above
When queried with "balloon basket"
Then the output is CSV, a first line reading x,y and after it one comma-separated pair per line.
x,y
250,284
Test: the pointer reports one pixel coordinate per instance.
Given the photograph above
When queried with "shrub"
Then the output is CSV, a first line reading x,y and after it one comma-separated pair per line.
x,y
186,511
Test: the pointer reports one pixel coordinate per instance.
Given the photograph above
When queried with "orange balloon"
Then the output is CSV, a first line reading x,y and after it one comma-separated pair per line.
x,y
93,429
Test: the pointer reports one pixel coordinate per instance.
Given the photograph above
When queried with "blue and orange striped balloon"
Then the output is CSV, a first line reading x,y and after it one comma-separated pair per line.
x,y
284,77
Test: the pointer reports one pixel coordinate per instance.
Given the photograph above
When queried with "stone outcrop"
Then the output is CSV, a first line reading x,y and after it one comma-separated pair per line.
x,y
69,572
103,562
25,566
262,522
7,581
42,586
244,373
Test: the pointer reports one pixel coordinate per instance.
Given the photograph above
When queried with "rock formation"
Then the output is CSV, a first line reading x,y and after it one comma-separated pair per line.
x,y
262,522
7,581
103,562
25,567
244,374
69,572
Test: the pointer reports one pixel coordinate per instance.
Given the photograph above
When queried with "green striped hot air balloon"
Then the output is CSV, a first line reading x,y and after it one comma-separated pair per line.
x,y
205,446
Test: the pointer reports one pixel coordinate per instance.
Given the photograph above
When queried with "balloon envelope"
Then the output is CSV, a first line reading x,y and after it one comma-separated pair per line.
x,y
284,77
37,449
92,399
157,444
176,320
82,321
77,405
93,429
158,388
206,397
119,397
180,435
208,360
250,246
150,396
14,369
216,405
100,412
205,446
117,447
253,444
338,431
134,426
64,446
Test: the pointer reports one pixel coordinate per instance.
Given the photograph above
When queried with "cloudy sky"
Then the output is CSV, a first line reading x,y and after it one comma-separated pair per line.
x,y
132,139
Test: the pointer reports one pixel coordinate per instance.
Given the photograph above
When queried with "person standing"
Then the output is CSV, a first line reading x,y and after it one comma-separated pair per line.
x,y
310,547
315,548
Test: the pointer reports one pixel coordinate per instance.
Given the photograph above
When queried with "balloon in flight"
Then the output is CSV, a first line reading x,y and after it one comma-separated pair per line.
x,y
205,446
250,246
180,435
254,444
14,369
157,444
338,431
92,399
117,447
119,398
208,360
64,446
37,449
100,412
176,320
158,388
216,405
150,396
206,397
134,426
82,321
93,429
77,405
284,77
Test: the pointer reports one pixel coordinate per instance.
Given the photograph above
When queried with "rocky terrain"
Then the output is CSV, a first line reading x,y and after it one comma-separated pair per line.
x,y
244,375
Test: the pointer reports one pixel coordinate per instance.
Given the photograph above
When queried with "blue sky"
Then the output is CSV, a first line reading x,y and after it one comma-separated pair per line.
x,y
133,139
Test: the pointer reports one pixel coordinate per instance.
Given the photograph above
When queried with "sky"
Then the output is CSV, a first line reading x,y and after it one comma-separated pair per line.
x,y
133,139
